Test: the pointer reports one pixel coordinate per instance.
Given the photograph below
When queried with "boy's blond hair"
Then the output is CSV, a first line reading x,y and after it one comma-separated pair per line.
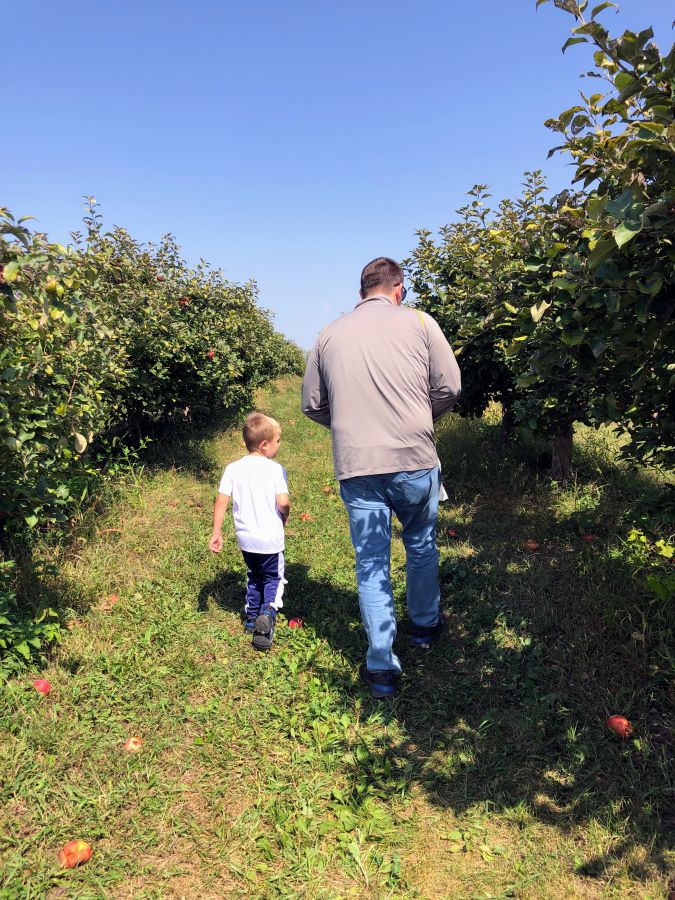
x,y
258,428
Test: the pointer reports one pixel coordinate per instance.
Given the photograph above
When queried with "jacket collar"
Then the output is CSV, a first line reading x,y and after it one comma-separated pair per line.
x,y
379,297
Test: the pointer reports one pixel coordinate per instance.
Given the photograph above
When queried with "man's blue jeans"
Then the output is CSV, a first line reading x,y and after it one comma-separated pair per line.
x,y
370,501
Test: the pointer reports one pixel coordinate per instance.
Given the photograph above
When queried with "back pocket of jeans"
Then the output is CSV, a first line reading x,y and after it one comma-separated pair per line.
x,y
415,487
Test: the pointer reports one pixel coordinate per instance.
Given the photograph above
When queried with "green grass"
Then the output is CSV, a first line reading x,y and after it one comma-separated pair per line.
x,y
276,775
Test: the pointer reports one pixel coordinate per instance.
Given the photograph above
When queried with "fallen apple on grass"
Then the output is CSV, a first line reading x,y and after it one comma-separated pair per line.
x,y
531,545
74,853
298,622
133,745
620,725
108,602
306,517
327,489
42,686
452,532
589,538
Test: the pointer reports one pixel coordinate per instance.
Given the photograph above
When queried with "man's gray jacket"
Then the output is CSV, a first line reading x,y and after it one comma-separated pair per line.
x,y
379,377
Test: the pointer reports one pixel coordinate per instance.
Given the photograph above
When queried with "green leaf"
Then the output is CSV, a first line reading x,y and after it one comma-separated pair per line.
x,y
527,380
31,521
510,308
622,80
573,40
601,250
595,207
23,649
625,232
598,346
620,205
538,311
573,338
599,8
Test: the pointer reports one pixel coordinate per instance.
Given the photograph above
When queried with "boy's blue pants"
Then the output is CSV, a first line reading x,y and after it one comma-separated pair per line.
x,y
266,582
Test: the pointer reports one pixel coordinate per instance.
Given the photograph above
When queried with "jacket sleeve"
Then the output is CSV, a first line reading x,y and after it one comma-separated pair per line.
x,y
445,383
314,394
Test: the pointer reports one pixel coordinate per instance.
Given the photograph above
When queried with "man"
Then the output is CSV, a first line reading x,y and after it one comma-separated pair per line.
x,y
379,377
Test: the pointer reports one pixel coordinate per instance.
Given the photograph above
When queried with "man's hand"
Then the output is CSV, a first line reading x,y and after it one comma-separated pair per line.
x,y
216,543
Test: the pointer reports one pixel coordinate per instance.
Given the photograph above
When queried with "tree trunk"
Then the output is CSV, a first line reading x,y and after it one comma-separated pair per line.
x,y
561,459
506,430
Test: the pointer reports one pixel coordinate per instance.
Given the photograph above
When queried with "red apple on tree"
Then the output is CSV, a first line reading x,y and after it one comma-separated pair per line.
x,y
211,354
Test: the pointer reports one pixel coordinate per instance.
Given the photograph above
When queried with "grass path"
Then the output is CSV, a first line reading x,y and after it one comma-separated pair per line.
x,y
275,775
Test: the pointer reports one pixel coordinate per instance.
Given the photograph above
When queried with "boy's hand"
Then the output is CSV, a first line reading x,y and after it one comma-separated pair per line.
x,y
216,543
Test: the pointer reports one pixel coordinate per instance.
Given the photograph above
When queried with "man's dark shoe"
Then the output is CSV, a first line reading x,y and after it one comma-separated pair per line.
x,y
263,632
382,684
422,638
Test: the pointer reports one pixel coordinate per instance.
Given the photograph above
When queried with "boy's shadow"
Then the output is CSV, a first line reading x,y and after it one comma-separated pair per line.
x,y
332,611
226,590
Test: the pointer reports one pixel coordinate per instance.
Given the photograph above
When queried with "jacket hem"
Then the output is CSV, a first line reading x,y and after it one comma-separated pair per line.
x,y
387,470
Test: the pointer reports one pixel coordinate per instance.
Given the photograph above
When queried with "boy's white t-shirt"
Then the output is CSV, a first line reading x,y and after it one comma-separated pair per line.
x,y
253,482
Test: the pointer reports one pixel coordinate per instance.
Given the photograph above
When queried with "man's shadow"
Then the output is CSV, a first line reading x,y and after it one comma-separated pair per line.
x,y
482,723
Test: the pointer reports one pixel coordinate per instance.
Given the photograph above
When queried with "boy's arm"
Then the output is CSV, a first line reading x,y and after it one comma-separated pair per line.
x,y
284,506
219,510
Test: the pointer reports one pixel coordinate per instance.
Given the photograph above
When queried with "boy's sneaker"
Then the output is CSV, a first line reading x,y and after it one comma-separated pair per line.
x,y
422,637
249,626
382,684
263,632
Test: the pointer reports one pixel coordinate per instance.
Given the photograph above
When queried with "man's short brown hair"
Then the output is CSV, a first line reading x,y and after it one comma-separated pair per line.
x,y
383,272
258,428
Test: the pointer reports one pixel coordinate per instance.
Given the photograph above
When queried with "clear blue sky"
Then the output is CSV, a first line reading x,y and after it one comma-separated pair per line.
x,y
286,141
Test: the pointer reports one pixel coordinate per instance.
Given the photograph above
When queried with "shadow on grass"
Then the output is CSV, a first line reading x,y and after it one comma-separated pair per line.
x,y
183,446
508,714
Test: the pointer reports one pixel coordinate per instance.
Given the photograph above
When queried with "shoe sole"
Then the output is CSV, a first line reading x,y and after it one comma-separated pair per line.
x,y
426,642
422,643
263,633
378,694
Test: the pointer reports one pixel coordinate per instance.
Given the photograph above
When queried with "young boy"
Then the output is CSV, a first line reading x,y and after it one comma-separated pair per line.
x,y
260,504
